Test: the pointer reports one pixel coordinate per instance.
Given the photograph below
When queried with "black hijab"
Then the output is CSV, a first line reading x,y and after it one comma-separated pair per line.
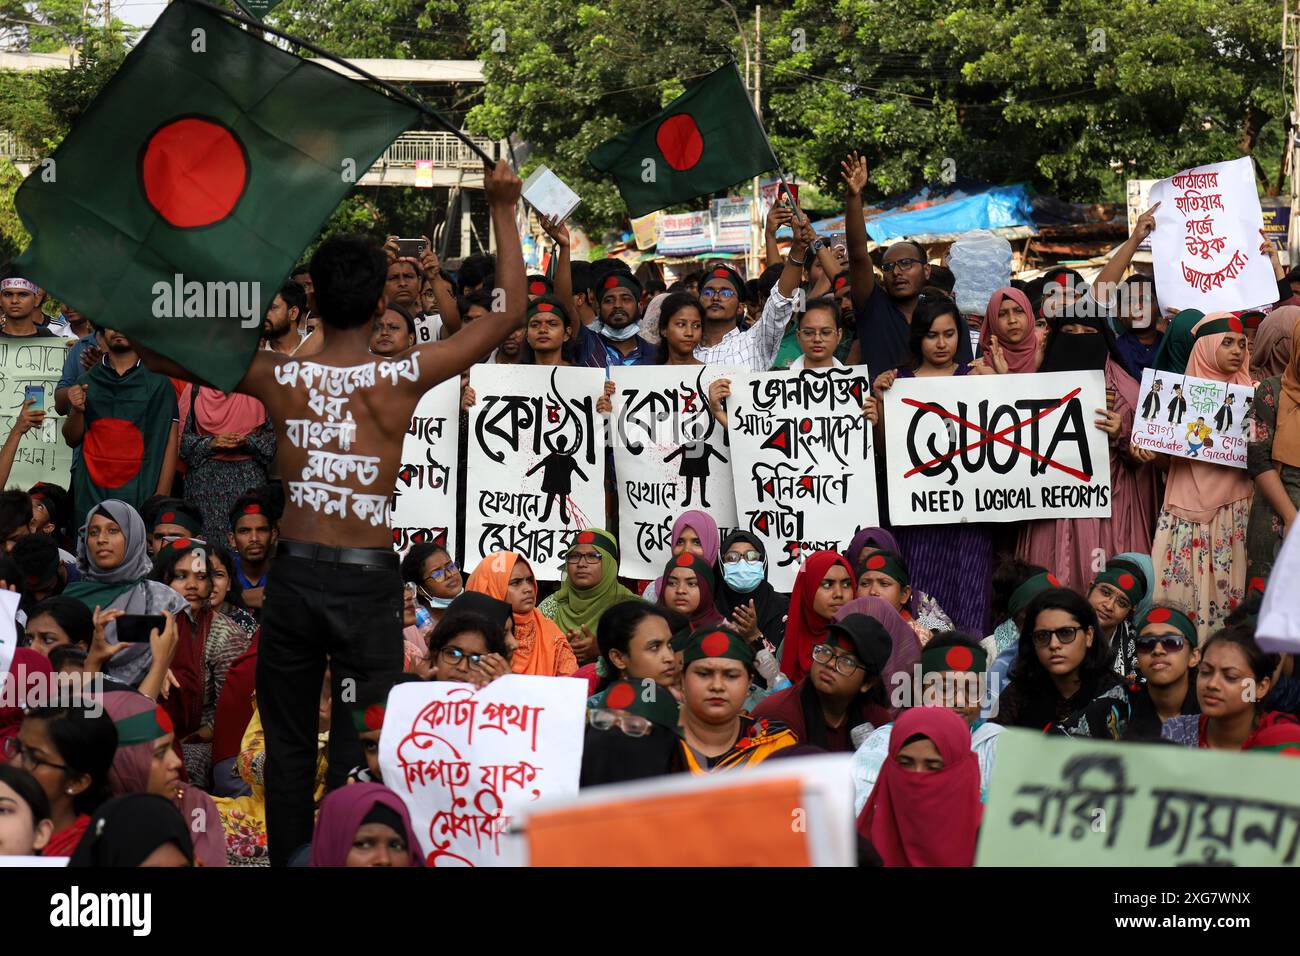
x,y
1081,353
126,829
771,605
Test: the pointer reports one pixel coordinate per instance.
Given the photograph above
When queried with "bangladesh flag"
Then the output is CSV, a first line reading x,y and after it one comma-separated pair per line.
x,y
707,139
182,198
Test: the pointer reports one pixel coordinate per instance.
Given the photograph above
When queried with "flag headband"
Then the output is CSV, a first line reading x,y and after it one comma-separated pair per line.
x,y
1220,327
16,282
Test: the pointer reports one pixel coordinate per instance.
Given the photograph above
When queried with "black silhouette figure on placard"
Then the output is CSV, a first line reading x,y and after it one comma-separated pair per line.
x,y
1151,406
1245,412
695,465
557,478
1223,419
1177,405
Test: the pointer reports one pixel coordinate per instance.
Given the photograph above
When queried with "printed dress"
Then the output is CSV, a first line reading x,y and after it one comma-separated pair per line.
x,y
1264,531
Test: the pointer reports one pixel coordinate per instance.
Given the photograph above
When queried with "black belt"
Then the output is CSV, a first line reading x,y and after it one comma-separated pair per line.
x,y
364,557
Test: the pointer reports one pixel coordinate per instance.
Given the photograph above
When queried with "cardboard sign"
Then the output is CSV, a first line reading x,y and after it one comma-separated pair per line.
x,y
465,762
424,500
1205,247
43,455
670,456
996,448
803,462
536,470
1195,418
549,195
1055,801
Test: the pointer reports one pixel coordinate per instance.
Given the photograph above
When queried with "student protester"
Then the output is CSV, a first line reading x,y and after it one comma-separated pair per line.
x,y
394,331
1270,353
171,518
688,590
147,761
1273,462
135,830
542,647
1200,540
547,335
884,575
693,532
367,716
50,509
1233,678
27,668
612,340
716,733
745,596
59,621
1015,583
630,734
229,444
635,639
899,671
254,531
589,586
680,324
954,674
824,584
69,752
819,332
281,327
1176,347
364,825
925,808
468,648
1114,594
1062,681
870,540
1132,302
1166,659
25,823
227,596
1010,343
492,608
41,574
436,576
20,303
1068,545
844,689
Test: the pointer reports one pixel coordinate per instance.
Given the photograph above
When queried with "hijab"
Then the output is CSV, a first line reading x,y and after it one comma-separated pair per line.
x,y
1145,564
218,413
575,607
926,819
539,639
127,829
705,527
804,627
1271,352
706,614
878,538
906,651
99,586
1176,346
1286,435
1196,493
769,606
341,814
1081,353
25,663
1020,356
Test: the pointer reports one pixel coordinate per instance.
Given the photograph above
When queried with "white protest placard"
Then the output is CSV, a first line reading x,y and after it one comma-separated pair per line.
x,y
42,455
465,762
803,462
670,455
1190,417
1278,631
996,448
1205,247
535,475
9,601
424,499
549,195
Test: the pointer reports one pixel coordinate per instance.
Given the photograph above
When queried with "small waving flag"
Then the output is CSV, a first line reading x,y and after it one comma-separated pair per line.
x,y
182,198
707,139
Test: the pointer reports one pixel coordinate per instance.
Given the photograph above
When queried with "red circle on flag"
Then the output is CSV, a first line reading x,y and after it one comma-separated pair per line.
x,y
193,171
679,139
715,645
1235,325
1126,581
619,696
537,288
1159,615
875,562
180,544
113,450
252,509
374,717
545,307
611,282
685,560
1256,584
721,274
167,517
959,658
1051,579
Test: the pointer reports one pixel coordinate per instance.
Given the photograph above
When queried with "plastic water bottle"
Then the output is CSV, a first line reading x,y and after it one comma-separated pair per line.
x,y
423,619
981,264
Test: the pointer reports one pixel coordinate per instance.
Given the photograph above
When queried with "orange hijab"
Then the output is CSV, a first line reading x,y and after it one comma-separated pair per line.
x,y
1197,489
1286,438
543,648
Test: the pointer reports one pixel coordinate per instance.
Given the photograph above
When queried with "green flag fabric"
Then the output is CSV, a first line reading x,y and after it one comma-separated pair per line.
x,y
128,419
705,140
182,198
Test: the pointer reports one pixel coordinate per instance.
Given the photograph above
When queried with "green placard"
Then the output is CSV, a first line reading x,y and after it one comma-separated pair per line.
x,y
43,455
258,8
1056,801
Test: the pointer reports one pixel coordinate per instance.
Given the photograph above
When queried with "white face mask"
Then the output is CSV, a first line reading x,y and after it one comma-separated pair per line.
x,y
616,335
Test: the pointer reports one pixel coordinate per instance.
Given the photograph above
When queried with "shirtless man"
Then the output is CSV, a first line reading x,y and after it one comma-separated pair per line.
x,y
340,418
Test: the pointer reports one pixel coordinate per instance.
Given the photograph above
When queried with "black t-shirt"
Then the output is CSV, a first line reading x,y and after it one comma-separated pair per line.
x,y
41,333
882,330
1144,721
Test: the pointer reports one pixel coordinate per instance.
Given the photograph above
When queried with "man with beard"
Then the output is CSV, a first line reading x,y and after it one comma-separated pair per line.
x,y
253,534
612,339
280,328
123,417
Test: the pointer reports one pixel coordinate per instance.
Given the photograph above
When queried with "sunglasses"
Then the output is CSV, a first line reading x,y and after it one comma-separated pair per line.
x,y
1172,643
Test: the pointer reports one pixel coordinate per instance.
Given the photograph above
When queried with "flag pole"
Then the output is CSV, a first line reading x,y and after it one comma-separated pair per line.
x,y
780,171
428,111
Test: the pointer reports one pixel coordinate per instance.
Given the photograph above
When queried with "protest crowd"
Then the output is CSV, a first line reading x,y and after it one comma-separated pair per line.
x,y
228,568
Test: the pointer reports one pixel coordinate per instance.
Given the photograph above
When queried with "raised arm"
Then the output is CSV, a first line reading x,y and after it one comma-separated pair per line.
x,y
1113,271
442,292
861,275
563,273
777,217
441,360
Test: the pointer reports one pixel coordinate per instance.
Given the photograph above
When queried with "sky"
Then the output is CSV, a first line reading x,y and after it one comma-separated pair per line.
x,y
140,12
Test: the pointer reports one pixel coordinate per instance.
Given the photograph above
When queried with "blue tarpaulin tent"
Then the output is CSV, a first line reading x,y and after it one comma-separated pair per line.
x,y
945,211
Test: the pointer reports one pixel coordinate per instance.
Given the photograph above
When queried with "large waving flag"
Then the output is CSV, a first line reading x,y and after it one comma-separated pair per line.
x,y
180,201
707,139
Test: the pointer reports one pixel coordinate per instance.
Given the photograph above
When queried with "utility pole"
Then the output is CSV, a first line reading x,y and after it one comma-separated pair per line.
x,y
755,215
1291,70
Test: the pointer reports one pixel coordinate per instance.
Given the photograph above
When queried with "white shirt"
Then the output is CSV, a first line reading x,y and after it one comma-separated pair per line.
x,y
797,364
756,346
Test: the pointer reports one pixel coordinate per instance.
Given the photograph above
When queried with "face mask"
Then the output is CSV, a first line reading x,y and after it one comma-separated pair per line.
x,y
743,576
438,602
616,335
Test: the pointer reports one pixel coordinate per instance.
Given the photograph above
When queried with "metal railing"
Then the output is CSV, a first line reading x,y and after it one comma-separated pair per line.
x,y
444,150
10,148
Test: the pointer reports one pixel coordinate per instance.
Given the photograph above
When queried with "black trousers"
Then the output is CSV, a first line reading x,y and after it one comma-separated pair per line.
x,y
315,610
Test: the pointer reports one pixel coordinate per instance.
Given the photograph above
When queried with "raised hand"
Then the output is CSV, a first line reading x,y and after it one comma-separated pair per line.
x,y
1146,223
854,173
502,185
557,230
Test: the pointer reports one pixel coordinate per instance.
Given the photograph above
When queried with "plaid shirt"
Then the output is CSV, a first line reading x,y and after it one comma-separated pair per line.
x,y
756,346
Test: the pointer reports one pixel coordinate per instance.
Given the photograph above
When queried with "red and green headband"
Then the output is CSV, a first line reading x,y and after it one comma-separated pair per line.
x,y
1119,576
886,562
1169,615
620,279
600,540
642,698
183,518
731,275
369,717
715,642
540,285
144,727
548,303
1022,595
955,658
703,571
178,546
1220,327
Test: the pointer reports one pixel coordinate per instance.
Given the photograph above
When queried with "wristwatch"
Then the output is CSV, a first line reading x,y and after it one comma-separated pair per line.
x,y
817,246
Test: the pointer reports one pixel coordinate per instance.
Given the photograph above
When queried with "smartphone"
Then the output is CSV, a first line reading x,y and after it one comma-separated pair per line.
x,y
410,248
135,628
35,393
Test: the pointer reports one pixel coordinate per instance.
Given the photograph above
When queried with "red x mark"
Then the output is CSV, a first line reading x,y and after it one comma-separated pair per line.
x,y
996,436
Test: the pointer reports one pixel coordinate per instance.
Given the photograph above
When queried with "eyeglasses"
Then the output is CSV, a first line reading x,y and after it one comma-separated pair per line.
x,y
735,557
888,267
1065,635
454,655
717,293
1172,643
844,663
818,333
437,574
630,724
1119,599
580,557
14,750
